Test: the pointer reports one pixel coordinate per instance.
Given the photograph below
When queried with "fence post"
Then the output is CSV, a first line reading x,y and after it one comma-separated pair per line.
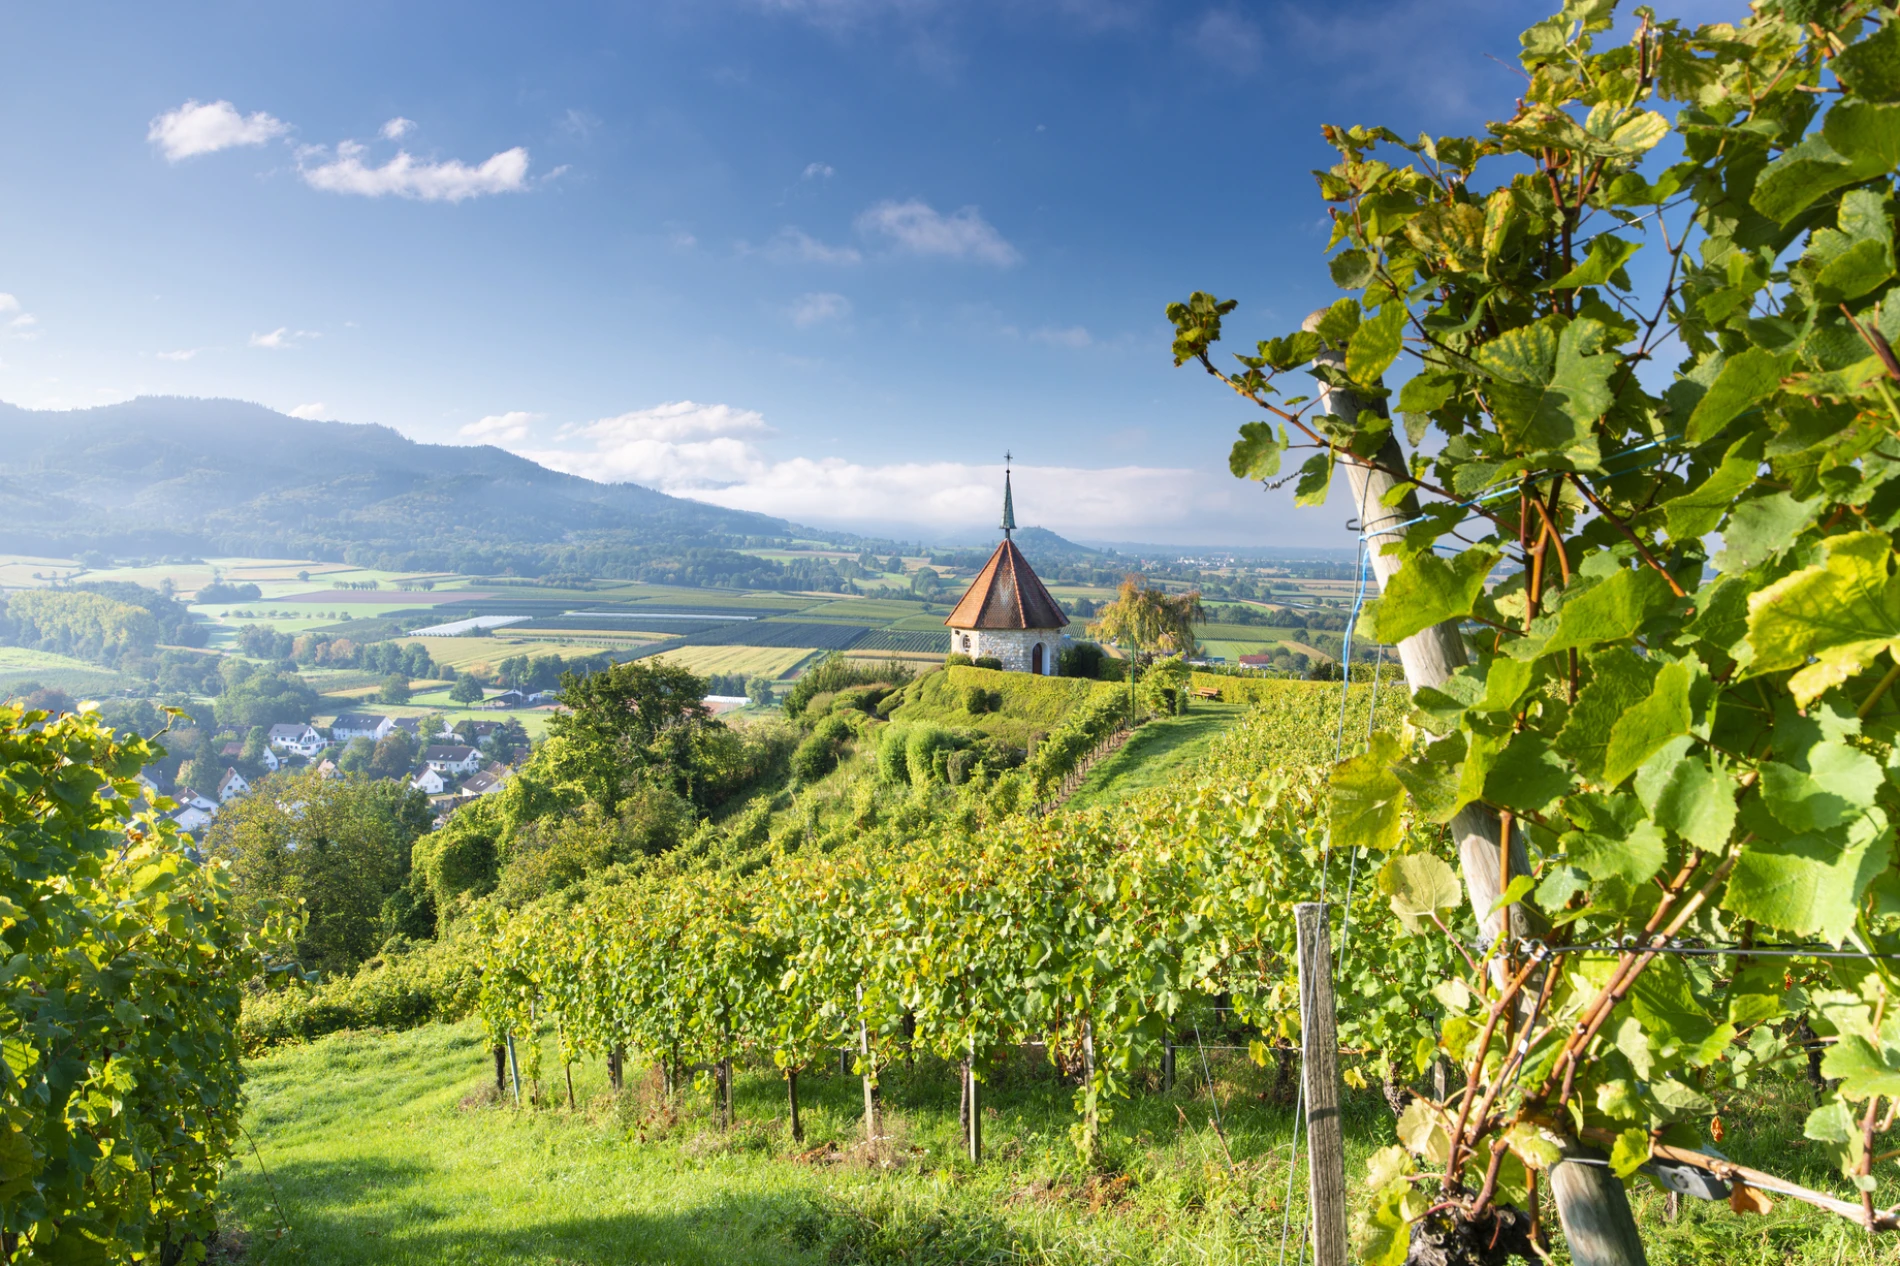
x,y
873,1127
975,1133
514,1068
1167,1063
1325,1139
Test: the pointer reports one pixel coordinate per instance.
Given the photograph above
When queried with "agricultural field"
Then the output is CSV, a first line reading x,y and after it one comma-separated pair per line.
x,y
59,672
481,654
773,662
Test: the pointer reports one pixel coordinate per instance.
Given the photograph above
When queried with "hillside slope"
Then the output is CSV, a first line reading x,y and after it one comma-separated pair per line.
x,y
170,474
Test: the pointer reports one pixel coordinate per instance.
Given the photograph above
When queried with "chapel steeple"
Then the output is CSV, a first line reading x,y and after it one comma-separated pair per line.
x,y
1009,503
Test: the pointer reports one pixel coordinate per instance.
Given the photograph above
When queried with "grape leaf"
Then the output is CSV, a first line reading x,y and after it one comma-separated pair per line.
x,y
1864,1067
1759,528
1418,886
1256,454
1842,613
1810,884
1549,387
1633,858
1837,786
1630,1152
1429,590
1607,256
1376,344
1688,796
1663,715
1618,681
1527,776
1367,798
1697,511
1747,377
1610,610
1871,69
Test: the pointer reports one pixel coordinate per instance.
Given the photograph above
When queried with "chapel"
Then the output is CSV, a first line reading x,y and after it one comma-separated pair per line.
x,y
1006,613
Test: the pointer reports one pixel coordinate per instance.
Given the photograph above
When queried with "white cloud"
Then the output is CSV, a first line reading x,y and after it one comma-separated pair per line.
x,y
795,246
315,411
817,308
397,128
183,353
502,428
8,303
818,171
405,176
1228,40
196,128
279,339
681,241
914,226
580,124
1066,336
22,324
712,453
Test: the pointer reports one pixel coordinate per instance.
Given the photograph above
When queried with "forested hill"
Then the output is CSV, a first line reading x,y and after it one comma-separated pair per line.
x,y
170,474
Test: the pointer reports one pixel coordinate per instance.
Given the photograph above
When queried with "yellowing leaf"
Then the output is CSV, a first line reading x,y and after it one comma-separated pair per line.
x,y
1842,612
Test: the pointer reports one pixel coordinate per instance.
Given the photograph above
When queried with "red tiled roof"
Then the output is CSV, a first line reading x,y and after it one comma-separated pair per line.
x,y
1006,594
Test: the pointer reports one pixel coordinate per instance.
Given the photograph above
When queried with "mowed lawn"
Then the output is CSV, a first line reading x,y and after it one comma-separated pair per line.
x,y
1160,752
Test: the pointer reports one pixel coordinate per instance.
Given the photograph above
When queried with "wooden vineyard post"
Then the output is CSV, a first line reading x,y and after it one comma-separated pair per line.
x,y
723,1070
1591,1203
973,1133
873,1126
1319,1064
501,1071
567,1070
617,1068
791,1093
1167,1063
514,1068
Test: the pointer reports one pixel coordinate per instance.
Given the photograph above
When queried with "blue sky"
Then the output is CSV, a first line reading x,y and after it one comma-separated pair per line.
x,y
827,259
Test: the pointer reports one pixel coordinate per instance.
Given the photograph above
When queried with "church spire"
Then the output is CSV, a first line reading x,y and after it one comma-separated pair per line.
x,y
1009,503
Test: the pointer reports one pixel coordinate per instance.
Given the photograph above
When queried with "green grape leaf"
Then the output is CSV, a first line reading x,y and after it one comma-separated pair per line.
x,y
1675,1020
1607,256
1376,344
1858,140
1864,1067
1619,680
1290,352
1838,785
1316,477
1633,859
1663,715
1351,269
1548,388
1841,613
1630,1152
1418,886
1688,796
1833,1125
1870,69
1527,776
1256,454
1609,611
1368,800
1810,884
1745,379
1337,326
1852,259
1697,511
1429,590
1759,528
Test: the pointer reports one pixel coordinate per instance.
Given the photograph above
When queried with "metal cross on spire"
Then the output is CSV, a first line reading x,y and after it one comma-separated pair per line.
x,y
1009,504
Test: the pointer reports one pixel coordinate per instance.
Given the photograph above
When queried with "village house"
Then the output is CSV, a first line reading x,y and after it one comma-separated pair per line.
x,y
431,781
454,759
1006,614
192,819
506,699
303,740
353,725
231,786
487,782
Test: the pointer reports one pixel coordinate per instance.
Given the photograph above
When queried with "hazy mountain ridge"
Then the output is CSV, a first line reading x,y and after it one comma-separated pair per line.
x,y
170,473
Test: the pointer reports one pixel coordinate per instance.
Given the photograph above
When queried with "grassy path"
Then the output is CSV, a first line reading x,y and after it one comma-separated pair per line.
x,y
1157,754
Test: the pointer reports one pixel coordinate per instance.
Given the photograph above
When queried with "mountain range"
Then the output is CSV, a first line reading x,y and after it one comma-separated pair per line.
x,y
161,475
169,475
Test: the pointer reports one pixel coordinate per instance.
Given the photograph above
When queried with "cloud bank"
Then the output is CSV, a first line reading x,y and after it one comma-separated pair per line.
x,y
406,176
712,453
914,227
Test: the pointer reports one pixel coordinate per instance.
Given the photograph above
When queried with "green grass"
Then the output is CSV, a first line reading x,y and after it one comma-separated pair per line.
x,y
394,1150
1162,751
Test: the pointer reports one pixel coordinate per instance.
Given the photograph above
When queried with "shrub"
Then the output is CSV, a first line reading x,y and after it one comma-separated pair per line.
x,y
818,754
977,700
956,659
987,661
1080,659
893,765
925,751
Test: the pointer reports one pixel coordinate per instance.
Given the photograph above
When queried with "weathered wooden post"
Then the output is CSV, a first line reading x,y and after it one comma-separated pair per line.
x,y
1319,1064
1599,1226
1167,1063
501,1071
514,1068
873,1125
725,1093
791,1093
973,1134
